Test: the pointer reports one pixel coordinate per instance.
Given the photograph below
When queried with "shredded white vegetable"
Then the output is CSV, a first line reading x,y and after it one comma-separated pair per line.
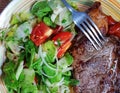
x,y
56,12
48,91
23,30
14,47
19,70
43,60
67,69
64,89
61,82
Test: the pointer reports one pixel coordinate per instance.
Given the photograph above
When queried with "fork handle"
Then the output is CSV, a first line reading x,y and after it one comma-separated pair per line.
x,y
68,6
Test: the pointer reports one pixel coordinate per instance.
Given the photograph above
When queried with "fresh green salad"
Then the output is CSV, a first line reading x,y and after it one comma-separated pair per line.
x,y
37,44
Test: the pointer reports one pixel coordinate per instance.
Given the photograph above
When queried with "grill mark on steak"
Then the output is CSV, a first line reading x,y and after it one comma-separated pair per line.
x,y
97,71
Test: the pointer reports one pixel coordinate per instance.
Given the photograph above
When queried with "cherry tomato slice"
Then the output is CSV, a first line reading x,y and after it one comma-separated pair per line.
x,y
111,21
115,30
62,37
40,33
63,48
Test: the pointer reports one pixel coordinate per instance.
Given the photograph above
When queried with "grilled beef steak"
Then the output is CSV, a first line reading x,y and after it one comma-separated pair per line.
x,y
97,71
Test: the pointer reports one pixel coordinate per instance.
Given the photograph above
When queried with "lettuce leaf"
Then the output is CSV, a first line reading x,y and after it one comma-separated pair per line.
x,y
30,51
23,30
50,50
27,81
40,9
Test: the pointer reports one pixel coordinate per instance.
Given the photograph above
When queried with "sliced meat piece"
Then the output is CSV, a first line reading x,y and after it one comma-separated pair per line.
x,y
97,71
117,71
98,74
99,17
82,48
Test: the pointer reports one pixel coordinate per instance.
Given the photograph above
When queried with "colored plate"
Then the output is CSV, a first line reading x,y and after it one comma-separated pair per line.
x,y
109,7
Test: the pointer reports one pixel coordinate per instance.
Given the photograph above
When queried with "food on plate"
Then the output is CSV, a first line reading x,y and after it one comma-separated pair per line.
x,y
46,53
37,43
98,71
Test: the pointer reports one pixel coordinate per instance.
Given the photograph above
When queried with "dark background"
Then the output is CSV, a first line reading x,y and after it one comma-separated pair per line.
x,y
3,4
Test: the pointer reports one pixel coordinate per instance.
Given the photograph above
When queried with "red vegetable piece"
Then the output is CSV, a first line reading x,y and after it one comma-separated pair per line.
x,y
36,80
111,21
63,48
40,33
62,37
115,30
58,29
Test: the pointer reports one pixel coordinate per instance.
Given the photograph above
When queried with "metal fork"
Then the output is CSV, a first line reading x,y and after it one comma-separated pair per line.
x,y
87,26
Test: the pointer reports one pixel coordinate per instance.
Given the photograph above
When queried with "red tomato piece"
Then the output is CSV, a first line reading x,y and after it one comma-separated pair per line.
x,y
58,29
63,48
62,37
36,80
111,21
40,33
115,30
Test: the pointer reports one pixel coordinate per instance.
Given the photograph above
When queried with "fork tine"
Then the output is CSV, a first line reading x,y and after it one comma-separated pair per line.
x,y
94,25
94,31
88,27
91,34
87,35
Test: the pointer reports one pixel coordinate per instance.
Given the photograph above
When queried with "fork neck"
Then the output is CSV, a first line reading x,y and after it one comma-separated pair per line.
x,y
68,6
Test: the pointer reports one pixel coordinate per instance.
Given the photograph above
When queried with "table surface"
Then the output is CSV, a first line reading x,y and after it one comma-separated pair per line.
x,y
3,4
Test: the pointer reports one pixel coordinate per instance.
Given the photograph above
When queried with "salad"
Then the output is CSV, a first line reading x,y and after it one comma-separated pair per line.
x,y
36,48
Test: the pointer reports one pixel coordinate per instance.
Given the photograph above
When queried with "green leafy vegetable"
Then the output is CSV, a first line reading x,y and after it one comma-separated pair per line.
x,y
41,9
48,71
50,50
27,80
29,88
23,30
37,66
11,81
29,75
57,78
30,53
66,61
69,59
14,47
9,67
15,19
20,17
24,16
9,77
19,70
48,21
64,18
43,88
74,82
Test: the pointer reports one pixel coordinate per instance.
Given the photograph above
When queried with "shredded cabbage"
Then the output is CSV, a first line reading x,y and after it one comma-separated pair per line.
x,y
23,30
19,70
